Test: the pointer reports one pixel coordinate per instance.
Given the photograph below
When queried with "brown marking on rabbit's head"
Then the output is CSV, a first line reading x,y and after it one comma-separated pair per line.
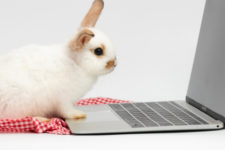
x,y
102,48
110,64
93,14
82,38
85,35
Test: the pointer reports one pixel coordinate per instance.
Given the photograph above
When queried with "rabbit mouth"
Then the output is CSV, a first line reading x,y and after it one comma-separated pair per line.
x,y
109,69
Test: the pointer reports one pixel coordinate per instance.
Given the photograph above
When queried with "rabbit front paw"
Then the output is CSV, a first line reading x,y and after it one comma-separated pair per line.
x,y
74,114
42,119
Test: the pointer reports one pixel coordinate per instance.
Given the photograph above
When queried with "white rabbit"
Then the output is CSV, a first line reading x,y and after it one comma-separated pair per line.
x,y
46,81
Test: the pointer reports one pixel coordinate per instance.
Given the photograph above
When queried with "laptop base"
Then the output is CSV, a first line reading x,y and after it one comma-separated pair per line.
x,y
103,119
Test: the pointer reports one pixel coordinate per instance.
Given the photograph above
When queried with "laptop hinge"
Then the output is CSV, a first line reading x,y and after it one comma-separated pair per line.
x,y
205,109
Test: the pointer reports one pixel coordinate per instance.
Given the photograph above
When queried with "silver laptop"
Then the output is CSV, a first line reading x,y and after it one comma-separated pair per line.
x,y
204,108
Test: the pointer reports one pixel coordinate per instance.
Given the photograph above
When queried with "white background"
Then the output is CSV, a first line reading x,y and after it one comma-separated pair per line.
x,y
155,42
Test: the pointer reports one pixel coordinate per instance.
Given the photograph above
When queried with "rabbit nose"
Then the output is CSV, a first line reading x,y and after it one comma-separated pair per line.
x,y
111,63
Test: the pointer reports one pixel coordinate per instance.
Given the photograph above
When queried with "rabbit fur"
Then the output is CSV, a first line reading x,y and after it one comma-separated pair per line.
x,y
47,80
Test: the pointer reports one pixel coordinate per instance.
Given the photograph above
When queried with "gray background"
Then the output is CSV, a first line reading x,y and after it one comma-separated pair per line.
x,y
155,40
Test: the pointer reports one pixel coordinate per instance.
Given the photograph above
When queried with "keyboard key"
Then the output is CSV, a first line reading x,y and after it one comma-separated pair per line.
x,y
180,114
152,114
126,116
166,114
190,113
139,115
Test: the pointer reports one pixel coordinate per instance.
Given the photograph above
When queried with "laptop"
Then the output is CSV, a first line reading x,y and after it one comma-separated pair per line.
x,y
204,107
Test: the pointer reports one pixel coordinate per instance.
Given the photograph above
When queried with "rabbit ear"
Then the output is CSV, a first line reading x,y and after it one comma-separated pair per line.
x,y
82,38
93,14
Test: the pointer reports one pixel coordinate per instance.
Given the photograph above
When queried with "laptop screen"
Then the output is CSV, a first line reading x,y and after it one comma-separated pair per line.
x,y
207,83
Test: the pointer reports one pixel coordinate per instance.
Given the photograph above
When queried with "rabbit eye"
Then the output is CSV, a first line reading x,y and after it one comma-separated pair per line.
x,y
98,51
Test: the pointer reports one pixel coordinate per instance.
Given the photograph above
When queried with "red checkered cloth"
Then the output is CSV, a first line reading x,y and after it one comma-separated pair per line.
x,y
54,126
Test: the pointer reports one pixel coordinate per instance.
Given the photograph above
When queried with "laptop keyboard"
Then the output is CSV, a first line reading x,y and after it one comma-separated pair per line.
x,y
153,114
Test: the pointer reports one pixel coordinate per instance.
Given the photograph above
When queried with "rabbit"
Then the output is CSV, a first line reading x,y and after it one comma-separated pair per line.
x,y
46,81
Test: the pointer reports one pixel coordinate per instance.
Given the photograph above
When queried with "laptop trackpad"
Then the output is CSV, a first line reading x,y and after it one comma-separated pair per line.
x,y
98,113
100,116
